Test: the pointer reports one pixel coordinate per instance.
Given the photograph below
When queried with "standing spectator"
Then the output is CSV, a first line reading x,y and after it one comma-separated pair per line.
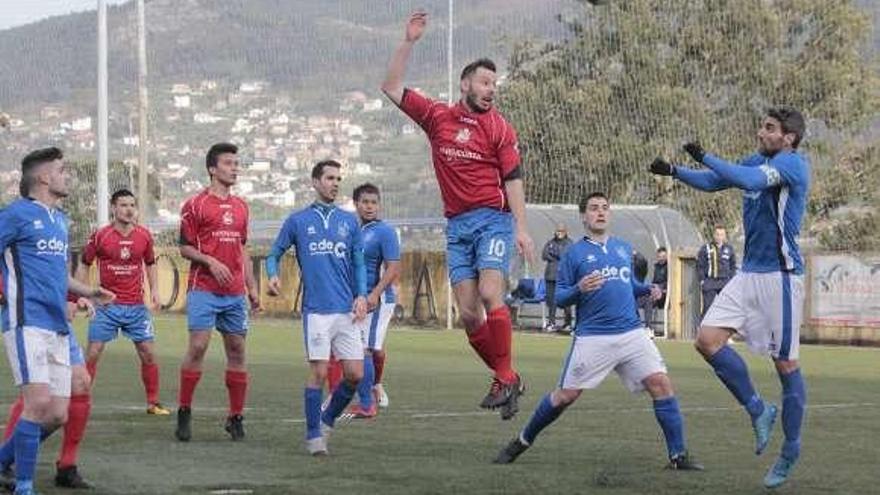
x,y
660,278
716,264
552,253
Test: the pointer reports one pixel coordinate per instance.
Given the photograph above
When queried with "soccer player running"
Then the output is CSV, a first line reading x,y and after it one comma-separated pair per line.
x,y
34,247
764,301
124,251
213,235
330,255
382,259
596,275
478,169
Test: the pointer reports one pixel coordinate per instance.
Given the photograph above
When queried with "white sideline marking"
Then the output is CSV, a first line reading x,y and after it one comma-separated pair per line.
x,y
230,491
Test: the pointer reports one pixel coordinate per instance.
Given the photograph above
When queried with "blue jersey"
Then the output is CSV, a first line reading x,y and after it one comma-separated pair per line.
x,y
33,241
773,213
610,309
327,240
380,245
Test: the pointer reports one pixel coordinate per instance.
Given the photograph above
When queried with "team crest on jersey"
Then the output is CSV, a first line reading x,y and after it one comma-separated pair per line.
x,y
125,253
621,251
343,230
228,219
463,136
310,230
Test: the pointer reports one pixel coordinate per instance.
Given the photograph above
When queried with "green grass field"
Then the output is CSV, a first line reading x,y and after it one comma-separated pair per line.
x,y
434,439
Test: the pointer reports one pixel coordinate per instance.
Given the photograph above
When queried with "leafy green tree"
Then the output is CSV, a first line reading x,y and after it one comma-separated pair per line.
x,y
635,79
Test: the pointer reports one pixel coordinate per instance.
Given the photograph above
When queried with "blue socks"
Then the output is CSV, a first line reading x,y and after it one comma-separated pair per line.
x,y
27,446
671,422
732,371
544,414
313,412
794,399
365,387
341,397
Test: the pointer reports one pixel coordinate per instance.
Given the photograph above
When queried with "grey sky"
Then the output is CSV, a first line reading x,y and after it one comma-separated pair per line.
x,y
18,12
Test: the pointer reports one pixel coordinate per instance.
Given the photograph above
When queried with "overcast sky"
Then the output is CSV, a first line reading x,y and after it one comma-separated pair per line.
x,y
18,12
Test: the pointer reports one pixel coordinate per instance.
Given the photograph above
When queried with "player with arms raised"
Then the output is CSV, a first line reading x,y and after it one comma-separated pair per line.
x,y
477,164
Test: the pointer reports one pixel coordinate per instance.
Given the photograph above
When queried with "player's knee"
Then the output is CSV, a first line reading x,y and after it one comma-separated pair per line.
x,y
707,343
564,397
659,385
38,407
786,366
470,320
80,381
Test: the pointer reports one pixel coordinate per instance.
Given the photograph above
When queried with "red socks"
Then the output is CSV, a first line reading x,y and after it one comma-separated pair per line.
x,y
501,329
378,366
188,381
14,413
334,374
236,386
77,417
481,341
150,377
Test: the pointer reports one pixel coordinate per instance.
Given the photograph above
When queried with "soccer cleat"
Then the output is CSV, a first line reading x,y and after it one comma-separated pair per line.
x,y
511,407
778,474
361,413
763,426
235,427
316,446
494,397
68,477
184,422
509,453
684,462
381,395
156,409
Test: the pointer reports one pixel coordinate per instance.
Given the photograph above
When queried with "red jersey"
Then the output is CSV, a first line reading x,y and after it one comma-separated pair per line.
x,y
472,152
216,227
121,259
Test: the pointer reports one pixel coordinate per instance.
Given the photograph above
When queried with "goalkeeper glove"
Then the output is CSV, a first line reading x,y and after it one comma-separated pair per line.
x,y
695,150
661,167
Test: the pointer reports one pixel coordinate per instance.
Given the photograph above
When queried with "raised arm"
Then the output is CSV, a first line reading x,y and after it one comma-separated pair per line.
x,y
704,180
393,84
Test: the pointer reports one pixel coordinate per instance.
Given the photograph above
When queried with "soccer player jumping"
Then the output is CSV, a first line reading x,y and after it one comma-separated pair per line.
x,y
124,251
213,234
764,301
596,274
477,164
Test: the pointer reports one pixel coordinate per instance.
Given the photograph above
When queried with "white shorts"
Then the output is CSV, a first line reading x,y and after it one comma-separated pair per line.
x,y
374,327
767,309
331,332
39,356
632,355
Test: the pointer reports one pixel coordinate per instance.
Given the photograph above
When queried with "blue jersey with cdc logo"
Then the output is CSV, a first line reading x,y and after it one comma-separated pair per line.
x,y
33,243
325,240
773,213
610,309
380,245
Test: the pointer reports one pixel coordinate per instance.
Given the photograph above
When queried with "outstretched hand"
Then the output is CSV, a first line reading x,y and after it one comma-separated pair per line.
x,y
695,149
661,167
415,26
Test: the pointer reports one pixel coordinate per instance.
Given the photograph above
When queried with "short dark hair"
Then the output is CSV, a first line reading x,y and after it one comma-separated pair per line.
x,y
217,150
792,122
661,249
718,226
472,67
582,206
318,169
31,162
366,188
121,193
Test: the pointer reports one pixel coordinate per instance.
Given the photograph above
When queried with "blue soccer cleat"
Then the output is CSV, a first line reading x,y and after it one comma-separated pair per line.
x,y
763,426
778,474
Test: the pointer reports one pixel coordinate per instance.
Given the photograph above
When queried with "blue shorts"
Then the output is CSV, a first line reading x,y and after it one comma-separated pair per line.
x,y
205,310
132,319
477,240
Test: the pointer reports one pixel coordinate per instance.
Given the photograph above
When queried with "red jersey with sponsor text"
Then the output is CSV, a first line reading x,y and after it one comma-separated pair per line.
x,y
217,227
121,258
472,152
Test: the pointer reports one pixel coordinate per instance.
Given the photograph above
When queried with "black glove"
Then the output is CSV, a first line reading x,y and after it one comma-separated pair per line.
x,y
661,167
695,150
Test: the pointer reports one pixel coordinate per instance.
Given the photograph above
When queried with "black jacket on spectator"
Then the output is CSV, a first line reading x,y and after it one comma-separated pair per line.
x,y
552,253
716,265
